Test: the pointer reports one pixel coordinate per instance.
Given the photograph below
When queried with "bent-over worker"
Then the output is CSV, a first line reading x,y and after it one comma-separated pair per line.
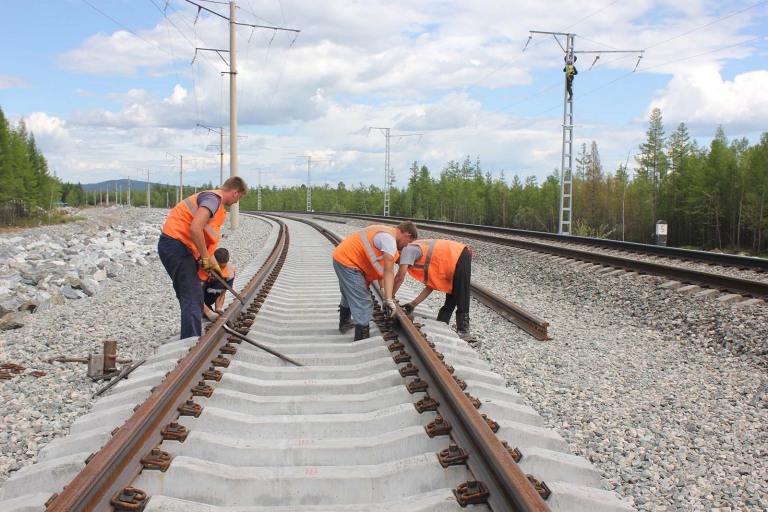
x,y
362,258
442,265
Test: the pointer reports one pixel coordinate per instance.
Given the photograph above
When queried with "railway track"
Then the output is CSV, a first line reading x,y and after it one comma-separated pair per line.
x,y
360,426
738,277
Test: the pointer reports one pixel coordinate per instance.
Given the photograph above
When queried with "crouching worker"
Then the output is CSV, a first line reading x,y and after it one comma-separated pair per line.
x,y
362,258
215,292
441,265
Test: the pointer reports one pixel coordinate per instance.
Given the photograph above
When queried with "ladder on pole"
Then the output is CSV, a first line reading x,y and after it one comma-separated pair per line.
x,y
566,168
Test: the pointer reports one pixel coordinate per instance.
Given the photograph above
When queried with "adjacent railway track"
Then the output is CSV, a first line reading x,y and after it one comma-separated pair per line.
x,y
409,419
619,255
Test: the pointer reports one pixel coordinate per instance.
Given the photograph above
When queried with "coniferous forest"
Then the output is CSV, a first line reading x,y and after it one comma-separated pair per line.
x,y
711,197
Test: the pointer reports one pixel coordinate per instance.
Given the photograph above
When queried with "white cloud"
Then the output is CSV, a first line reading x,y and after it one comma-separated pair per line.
x,y
51,133
451,70
9,81
702,98
140,109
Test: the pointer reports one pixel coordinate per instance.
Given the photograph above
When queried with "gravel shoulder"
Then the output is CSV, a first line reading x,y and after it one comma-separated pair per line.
x,y
137,308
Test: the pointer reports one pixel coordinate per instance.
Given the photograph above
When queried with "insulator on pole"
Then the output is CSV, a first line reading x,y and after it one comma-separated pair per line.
x,y
528,42
638,62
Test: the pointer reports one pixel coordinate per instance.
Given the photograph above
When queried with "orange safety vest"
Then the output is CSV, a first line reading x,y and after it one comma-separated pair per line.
x,y
358,251
178,222
437,264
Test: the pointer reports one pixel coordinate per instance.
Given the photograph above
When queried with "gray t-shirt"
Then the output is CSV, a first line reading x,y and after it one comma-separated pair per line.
x,y
210,201
385,243
409,255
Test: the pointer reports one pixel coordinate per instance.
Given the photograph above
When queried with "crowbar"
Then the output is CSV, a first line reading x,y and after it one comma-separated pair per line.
x,y
224,283
259,345
123,374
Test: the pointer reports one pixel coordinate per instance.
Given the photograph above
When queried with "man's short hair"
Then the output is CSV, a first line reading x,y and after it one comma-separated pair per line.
x,y
235,183
410,228
221,254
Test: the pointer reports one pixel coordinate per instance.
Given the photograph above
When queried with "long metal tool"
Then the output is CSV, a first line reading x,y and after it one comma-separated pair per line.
x,y
123,374
262,347
226,285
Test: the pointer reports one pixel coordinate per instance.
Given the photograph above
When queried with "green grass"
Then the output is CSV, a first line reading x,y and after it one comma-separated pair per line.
x,y
34,222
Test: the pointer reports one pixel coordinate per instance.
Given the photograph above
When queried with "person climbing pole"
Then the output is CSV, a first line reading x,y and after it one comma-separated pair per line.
x,y
570,71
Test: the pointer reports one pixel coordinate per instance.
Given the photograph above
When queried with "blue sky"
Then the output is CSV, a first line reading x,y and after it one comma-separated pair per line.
x,y
109,87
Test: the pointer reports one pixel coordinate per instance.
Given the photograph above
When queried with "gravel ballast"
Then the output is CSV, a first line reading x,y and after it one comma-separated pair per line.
x,y
665,393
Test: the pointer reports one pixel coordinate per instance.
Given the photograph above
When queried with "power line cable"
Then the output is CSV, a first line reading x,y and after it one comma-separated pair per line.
x,y
113,20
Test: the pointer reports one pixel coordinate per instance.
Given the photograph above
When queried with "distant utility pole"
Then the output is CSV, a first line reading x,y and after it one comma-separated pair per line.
x,y
148,194
566,161
388,175
309,180
235,208
221,150
258,205
181,174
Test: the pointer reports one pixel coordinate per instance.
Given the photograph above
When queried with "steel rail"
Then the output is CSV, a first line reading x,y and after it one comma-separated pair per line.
x,y
489,460
525,320
116,465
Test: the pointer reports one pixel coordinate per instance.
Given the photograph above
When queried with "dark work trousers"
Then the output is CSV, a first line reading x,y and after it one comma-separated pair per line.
x,y
459,298
182,267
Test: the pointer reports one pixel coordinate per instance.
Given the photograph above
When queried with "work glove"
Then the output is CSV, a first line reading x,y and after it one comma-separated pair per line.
x,y
408,308
389,308
208,266
211,315
219,311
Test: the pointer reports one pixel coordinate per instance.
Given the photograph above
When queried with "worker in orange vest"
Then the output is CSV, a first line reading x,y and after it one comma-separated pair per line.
x,y
363,257
442,265
187,244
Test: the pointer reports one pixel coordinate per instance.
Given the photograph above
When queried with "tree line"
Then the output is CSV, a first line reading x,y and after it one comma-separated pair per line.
x,y
711,197
24,172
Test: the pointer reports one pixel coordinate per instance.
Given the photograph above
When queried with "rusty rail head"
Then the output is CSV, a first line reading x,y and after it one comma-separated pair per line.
x,y
525,320
117,464
489,460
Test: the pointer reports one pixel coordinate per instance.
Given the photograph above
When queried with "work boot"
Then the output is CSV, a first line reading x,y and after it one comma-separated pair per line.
x,y
462,326
345,320
362,332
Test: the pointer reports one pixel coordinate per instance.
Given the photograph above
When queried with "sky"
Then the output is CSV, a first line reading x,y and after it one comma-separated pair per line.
x,y
116,89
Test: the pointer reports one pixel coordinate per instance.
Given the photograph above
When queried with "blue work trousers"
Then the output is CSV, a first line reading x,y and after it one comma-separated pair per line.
x,y
182,267
354,293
